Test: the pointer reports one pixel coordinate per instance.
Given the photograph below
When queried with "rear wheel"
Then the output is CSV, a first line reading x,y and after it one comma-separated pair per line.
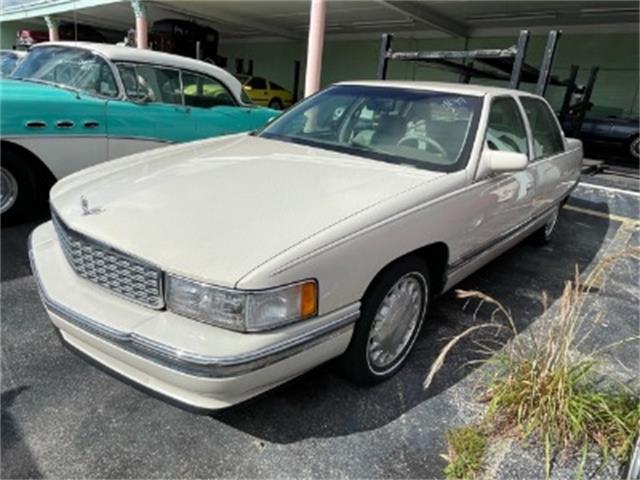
x,y
634,148
276,104
392,313
18,193
545,233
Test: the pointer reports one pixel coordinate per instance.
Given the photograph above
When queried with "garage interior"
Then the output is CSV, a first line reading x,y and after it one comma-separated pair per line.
x,y
64,418
273,36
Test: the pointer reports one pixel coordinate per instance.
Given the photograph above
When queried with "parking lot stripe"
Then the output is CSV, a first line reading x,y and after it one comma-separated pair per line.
x,y
609,189
609,216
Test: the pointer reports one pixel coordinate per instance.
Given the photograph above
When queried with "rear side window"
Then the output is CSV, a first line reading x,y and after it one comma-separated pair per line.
x,y
547,139
275,86
505,130
205,92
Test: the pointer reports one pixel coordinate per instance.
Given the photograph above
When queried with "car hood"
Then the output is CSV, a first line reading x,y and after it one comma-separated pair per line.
x,y
22,89
216,209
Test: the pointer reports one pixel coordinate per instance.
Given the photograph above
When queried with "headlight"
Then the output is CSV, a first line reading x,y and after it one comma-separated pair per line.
x,y
246,311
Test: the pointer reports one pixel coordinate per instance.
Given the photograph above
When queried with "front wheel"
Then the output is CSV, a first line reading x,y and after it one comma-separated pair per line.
x,y
634,148
276,104
392,313
17,189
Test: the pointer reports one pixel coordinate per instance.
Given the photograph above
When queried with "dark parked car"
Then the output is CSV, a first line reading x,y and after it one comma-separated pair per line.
x,y
609,135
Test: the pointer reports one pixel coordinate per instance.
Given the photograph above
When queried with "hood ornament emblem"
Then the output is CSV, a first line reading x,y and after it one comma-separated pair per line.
x,y
84,203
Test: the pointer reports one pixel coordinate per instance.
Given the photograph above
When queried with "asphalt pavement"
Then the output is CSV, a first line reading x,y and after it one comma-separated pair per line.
x,y
64,417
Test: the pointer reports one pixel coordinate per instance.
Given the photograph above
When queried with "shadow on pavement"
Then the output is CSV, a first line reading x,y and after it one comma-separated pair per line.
x,y
21,462
14,249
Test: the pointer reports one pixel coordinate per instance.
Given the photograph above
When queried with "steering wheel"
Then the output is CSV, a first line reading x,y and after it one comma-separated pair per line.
x,y
430,142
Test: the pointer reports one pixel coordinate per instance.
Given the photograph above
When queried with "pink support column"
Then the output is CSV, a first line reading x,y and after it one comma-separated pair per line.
x,y
52,25
314,48
142,24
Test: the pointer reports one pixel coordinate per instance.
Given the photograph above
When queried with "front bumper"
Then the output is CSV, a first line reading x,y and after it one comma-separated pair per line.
x,y
188,361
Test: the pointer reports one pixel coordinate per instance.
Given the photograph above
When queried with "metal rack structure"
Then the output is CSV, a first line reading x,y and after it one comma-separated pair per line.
x,y
503,64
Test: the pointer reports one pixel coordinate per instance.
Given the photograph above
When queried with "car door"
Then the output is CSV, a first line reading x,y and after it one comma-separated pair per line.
x,y
500,203
553,167
152,114
258,90
213,108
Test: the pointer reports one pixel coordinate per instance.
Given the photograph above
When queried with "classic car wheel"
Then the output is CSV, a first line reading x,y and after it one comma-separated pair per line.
x,y
544,234
276,104
8,190
392,312
17,189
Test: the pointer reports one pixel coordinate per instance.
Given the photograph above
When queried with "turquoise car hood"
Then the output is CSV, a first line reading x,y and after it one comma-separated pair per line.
x,y
23,89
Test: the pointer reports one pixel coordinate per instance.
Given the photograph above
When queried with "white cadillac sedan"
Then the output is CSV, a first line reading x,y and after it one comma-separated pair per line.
x,y
212,271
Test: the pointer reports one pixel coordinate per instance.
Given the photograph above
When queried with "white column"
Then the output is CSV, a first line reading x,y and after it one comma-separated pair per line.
x,y
314,47
52,25
142,24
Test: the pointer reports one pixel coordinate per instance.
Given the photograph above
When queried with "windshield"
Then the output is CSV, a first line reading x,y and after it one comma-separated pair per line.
x,y
431,130
8,62
73,68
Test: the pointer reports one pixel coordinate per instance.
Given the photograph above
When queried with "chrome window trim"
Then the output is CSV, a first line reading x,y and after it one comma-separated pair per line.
x,y
193,363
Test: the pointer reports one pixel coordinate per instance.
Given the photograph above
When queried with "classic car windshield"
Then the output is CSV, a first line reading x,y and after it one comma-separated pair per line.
x,y
428,129
8,62
74,68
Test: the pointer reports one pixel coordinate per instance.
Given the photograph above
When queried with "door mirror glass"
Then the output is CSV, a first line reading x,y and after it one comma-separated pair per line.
x,y
498,161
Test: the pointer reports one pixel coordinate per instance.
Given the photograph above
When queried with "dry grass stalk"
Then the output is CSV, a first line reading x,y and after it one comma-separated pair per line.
x,y
541,387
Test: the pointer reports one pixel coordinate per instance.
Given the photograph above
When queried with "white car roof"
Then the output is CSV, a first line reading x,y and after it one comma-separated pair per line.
x,y
17,53
457,88
117,53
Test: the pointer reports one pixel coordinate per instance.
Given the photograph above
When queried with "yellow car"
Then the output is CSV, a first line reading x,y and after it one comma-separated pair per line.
x,y
265,92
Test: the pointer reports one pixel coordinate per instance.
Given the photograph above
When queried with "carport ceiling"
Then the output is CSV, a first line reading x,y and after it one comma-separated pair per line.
x,y
252,19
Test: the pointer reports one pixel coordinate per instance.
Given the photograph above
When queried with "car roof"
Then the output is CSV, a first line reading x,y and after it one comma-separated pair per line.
x,y
118,53
457,88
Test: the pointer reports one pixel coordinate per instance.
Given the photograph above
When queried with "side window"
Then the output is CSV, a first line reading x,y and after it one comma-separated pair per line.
x,y
205,92
151,84
258,83
547,139
505,130
275,86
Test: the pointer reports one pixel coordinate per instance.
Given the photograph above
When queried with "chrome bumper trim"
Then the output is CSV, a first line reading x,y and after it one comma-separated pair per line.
x,y
193,363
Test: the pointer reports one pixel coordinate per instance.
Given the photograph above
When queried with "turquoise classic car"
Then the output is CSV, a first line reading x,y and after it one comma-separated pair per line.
x,y
72,105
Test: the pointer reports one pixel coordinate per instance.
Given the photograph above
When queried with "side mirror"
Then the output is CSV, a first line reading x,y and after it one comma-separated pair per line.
x,y
498,161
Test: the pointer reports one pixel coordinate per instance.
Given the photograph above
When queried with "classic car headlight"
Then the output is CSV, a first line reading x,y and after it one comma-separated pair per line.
x,y
246,311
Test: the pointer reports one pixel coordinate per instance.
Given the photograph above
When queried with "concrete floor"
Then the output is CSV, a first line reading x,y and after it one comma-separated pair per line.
x,y
62,417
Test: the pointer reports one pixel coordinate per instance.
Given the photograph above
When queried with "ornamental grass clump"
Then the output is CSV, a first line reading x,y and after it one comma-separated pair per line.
x,y
466,448
543,388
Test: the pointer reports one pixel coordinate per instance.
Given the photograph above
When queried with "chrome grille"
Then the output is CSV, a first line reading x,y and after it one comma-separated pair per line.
x,y
109,268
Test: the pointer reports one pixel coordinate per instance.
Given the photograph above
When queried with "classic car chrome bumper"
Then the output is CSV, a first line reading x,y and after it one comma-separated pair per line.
x,y
141,348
